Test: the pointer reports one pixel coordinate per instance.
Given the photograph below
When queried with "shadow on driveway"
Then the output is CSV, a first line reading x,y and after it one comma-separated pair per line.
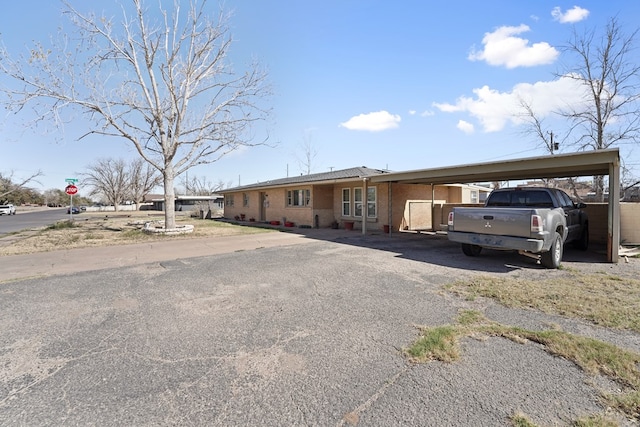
x,y
435,248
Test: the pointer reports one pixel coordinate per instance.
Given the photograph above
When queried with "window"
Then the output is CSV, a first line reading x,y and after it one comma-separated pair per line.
x,y
474,196
346,201
228,200
565,200
371,202
245,199
298,197
357,202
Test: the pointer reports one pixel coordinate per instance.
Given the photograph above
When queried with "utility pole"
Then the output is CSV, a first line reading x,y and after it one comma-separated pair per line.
x,y
553,146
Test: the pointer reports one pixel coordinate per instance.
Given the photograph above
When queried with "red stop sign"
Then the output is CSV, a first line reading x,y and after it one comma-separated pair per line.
x,y
71,189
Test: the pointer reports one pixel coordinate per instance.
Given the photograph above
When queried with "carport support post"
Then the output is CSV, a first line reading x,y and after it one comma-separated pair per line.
x,y
365,200
433,208
613,224
390,206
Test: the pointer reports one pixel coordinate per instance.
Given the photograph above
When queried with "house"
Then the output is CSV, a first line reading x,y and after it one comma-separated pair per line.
x,y
344,197
212,202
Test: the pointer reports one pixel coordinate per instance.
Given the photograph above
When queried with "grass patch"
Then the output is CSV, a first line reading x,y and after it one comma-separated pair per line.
x,y
62,225
521,420
604,299
104,230
592,356
595,421
440,343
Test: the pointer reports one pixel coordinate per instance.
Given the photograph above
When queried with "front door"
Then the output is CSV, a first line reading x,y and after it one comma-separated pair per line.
x,y
263,206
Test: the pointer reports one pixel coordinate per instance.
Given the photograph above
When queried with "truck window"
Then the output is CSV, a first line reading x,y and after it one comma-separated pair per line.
x,y
565,200
540,199
499,198
524,198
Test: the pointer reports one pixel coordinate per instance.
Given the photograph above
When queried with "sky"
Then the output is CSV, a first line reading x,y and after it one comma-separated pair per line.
x,y
400,85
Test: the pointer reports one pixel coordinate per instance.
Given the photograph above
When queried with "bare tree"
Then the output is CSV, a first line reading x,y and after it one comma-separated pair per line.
x,y
535,127
201,186
142,179
54,197
164,85
308,155
610,114
108,178
8,183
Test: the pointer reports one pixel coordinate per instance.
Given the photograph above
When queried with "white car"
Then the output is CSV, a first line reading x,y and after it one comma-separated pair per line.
x,y
7,209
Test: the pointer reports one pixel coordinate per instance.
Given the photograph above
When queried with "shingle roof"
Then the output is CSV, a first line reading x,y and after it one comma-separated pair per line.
x,y
351,173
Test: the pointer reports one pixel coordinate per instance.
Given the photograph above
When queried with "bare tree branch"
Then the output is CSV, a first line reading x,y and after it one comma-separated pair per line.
x,y
165,85
8,186
607,68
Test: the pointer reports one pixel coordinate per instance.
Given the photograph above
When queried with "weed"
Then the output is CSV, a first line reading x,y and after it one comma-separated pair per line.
x,y
61,225
439,343
468,317
595,421
521,420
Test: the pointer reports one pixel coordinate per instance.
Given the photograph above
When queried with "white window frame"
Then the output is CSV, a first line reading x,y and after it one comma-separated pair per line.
x,y
474,196
372,204
346,203
245,199
358,202
300,195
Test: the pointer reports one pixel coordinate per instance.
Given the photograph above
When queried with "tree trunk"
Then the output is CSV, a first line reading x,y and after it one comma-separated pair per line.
x,y
598,182
169,198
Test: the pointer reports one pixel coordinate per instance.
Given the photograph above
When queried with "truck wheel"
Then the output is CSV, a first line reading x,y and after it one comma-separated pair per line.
x,y
553,257
583,242
471,250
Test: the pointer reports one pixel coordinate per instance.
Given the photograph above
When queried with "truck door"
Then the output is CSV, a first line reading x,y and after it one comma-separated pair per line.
x,y
571,214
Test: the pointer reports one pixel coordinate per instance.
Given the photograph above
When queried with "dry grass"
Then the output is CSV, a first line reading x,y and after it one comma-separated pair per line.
x,y
593,356
604,299
91,230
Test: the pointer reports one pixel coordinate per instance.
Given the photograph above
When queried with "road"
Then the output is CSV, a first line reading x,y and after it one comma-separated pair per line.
x,y
34,219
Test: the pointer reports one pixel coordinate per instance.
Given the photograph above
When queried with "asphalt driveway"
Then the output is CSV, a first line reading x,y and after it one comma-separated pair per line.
x,y
305,332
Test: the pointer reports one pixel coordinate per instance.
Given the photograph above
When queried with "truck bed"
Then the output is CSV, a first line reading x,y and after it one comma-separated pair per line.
x,y
514,222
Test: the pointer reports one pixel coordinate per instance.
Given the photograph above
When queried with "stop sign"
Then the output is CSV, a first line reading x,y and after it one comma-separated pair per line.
x,y
71,189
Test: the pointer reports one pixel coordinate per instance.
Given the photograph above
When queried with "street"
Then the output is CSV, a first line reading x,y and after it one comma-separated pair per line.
x,y
31,219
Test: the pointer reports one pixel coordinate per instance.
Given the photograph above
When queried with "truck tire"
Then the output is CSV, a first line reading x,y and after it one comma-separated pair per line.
x,y
471,250
583,242
553,257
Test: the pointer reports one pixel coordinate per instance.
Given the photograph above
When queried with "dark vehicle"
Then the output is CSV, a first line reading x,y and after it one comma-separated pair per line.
x,y
536,222
74,210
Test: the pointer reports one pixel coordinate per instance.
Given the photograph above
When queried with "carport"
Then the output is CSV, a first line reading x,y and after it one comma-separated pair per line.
x,y
599,162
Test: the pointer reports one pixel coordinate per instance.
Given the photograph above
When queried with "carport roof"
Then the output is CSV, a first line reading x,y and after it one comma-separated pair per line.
x,y
550,166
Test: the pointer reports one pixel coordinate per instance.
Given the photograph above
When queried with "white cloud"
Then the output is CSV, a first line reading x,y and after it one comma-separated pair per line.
x,y
502,47
494,109
427,113
412,112
571,16
373,122
465,127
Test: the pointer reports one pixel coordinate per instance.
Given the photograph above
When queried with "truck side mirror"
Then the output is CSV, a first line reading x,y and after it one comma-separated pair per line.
x,y
581,205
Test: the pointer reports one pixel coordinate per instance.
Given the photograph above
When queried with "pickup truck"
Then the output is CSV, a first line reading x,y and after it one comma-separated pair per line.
x,y
535,221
